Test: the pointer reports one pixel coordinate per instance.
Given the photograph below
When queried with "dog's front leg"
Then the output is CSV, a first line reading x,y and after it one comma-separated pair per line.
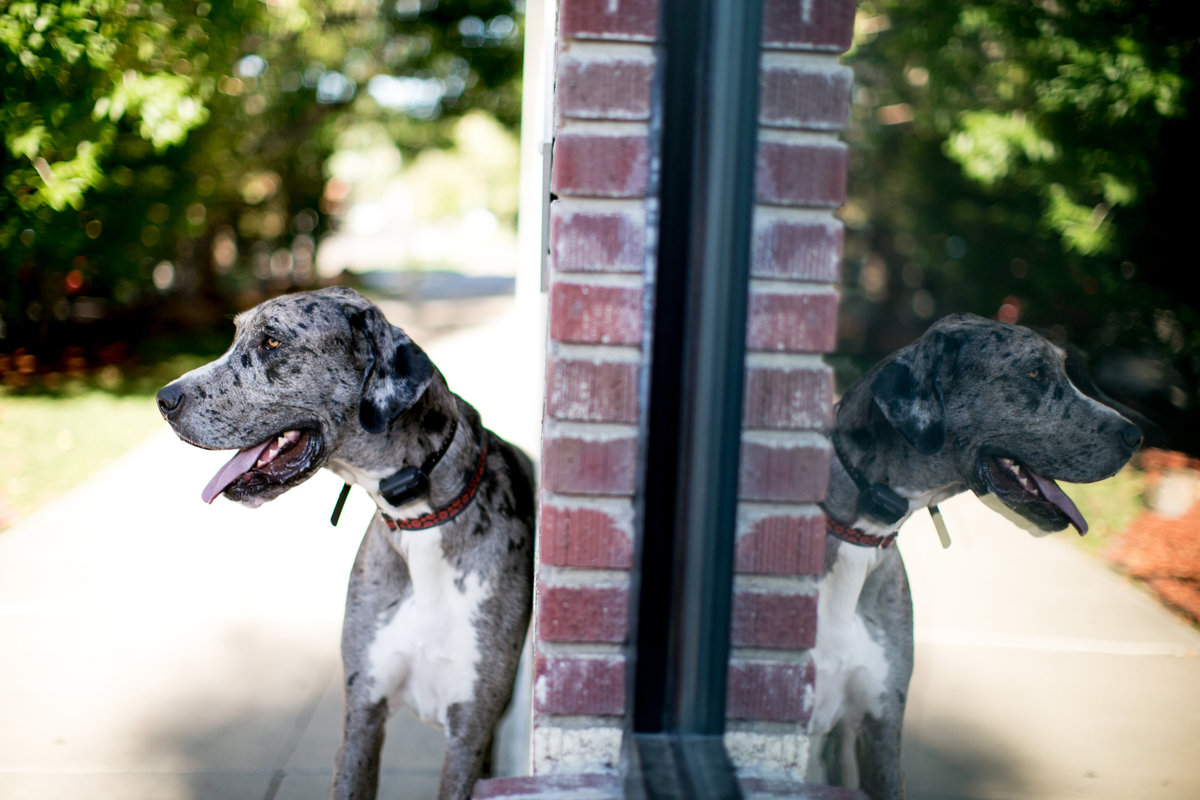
x,y
468,750
879,772
378,581
356,770
886,604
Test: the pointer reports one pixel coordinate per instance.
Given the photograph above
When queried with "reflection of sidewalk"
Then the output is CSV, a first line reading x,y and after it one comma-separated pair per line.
x,y
157,648
1041,674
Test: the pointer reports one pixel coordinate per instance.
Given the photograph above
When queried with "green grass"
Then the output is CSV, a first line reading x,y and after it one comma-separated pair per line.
x,y
1109,506
49,444
61,429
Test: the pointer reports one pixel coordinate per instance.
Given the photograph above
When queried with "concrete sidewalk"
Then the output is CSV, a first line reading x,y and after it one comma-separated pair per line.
x,y
1040,673
155,648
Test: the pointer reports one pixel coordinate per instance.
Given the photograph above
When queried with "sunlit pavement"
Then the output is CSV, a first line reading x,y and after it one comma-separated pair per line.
x,y
155,648
1040,673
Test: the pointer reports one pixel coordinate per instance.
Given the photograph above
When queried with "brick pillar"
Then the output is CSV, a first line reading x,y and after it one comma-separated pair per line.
x,y
800,179
597,252
597,241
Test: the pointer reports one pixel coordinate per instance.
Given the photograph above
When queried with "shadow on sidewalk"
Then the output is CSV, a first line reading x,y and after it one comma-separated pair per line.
x,y
951,761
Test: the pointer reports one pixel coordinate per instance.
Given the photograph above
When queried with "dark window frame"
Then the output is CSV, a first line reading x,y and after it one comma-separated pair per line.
x,y
699,215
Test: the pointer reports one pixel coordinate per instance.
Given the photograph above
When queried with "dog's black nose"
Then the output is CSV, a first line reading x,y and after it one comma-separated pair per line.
x,y
1131,436
170,400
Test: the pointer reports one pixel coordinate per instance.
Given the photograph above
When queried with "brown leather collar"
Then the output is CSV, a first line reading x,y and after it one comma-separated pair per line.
x,y
447,512
854,536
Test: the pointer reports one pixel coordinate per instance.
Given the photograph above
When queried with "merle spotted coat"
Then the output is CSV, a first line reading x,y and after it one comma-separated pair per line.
x,y
435,616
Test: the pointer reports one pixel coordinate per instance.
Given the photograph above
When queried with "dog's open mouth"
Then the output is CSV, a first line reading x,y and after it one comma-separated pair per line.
x,y
278,461
1033,496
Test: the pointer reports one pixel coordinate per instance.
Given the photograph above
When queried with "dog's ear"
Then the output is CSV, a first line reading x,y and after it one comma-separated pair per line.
x,y
396,371
908,391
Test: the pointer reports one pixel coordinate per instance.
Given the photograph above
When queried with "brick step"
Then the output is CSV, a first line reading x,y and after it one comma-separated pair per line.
x,y
608,787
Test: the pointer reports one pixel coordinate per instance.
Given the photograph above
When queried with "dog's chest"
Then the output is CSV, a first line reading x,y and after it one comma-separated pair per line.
x,y
851,665
426,654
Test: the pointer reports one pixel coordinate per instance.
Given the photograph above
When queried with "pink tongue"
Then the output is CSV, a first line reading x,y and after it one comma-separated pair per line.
x,y
1056,496
244,460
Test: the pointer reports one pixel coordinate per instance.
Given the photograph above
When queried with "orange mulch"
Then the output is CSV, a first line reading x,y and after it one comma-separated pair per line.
x,y
1164,552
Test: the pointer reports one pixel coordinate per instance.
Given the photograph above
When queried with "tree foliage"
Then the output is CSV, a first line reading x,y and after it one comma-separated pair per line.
x,y
1030,161
175,150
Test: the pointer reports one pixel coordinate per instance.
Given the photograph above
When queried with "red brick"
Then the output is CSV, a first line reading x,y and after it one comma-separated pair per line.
x,y
597,241
796,249
810,25
600,165
796,397
584,313
803,95
781,544
608,19
793,322
803,173
781,788
583,390
773,620
583,613
585,537
594,785
784,472
579,685
592,466
603,786
614,86
769,691
762,618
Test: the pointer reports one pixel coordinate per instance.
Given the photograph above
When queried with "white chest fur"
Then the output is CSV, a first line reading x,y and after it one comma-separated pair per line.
x,y
851,666
426,654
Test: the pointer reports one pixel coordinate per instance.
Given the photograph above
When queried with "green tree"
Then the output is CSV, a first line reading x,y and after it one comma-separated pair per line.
x,y
172,154
1030,161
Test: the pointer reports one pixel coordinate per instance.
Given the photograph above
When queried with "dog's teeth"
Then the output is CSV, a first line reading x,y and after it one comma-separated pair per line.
x,y
268,457
1019,474
282,441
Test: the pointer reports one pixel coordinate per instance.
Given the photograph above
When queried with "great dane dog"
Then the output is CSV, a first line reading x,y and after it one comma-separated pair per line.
x,y
441,590
972,405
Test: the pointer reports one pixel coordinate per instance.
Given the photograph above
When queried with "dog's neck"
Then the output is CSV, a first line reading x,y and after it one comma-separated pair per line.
x,y
870,452
438,423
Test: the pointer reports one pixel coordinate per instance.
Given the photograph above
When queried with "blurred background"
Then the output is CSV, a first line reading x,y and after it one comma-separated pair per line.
x,y
1034,162
167,164
1031,162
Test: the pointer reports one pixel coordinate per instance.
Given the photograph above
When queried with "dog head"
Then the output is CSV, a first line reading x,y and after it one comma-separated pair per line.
x,y
303,370
995,402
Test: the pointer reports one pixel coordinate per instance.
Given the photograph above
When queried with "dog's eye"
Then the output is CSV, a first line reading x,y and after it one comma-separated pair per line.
x,y
1035,374
271,343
